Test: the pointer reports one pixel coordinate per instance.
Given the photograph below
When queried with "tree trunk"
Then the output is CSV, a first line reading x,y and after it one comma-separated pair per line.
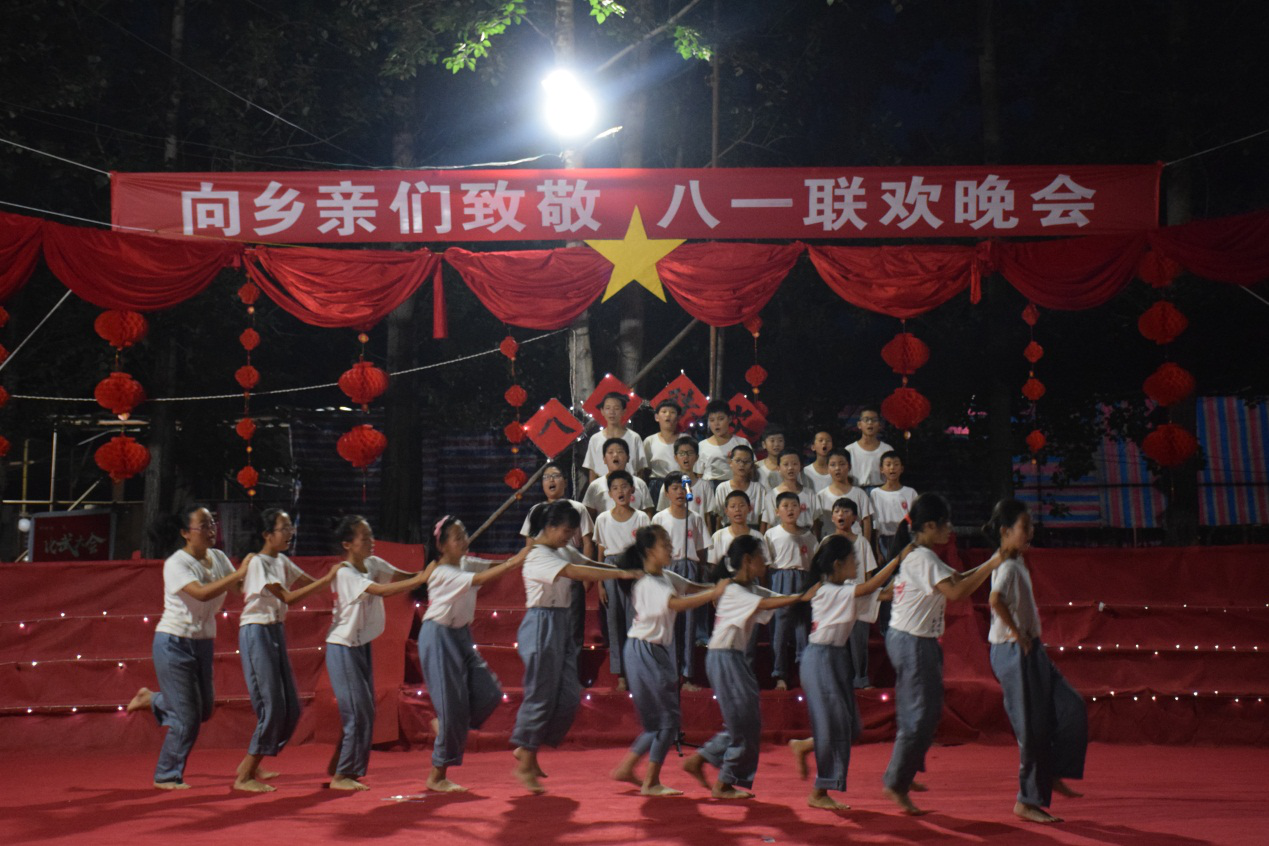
x,y
176,47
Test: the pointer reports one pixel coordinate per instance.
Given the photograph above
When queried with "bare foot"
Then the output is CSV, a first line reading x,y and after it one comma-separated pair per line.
x,y
689,687
621,683
343,782
171,785
253,786
1034,813
729,791
521,754
1064,789
821,799
659,790
917,787
626,774
266,775
695,767
781,684
904,803
529,779
444,785
141,702
800,749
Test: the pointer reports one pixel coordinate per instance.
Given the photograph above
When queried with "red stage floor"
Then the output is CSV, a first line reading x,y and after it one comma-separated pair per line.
x,y
1136,795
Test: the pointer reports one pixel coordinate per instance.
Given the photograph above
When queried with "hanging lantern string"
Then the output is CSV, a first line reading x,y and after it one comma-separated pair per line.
x,y
275,391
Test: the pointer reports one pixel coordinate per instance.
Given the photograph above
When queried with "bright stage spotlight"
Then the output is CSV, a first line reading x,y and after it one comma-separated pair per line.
x,y
569,109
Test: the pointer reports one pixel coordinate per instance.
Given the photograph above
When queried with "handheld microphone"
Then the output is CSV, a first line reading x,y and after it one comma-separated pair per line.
x,y
687,486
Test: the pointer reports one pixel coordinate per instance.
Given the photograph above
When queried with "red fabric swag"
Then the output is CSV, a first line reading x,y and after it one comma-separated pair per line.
x,y
1226,249
20,242
1074,273
535,289
123,270
341,288
899,281
723,284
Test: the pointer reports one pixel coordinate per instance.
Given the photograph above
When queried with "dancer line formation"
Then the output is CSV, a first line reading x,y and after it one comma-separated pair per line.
x,y
691,544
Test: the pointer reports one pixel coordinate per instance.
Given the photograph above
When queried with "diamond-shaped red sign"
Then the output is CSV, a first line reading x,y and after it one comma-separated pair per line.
x,y
553,428
690,399
747,419
610,384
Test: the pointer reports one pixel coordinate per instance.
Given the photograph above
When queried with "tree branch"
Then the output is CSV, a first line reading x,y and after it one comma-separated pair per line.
x,y
622,53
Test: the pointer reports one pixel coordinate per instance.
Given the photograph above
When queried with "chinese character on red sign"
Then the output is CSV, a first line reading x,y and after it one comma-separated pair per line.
x,y
747,420
610,384
553,428
683,393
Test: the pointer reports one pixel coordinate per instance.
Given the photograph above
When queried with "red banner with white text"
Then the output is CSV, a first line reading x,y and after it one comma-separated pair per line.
x,y
552,205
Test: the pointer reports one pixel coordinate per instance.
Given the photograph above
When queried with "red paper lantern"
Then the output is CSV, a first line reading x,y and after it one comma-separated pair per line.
x,y
756,375
122,457
1036,440
905,408
509,347
1169,445
121,329
250,339
1169,384
119,393
515,478
754,325
1033,389
514,432
4,353
1033,352
363,383
4,446
247,477
1157,271
248,377
246,428
1030,314
1162,322
905,353
4,397
249,293
515,396
361,445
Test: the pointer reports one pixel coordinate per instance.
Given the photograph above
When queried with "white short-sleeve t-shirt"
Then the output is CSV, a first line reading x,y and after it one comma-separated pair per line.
x,y
865,465
771,479
616,536
451,596
544,587
788,551
595,451
721,540
819,481
653,619
1012,580
597,497
358,616
702,502
687,534
919,605
658,456
890,508
260,606
586,527
833,614
863,503
183,615
735,615
759,501
809,510
714,463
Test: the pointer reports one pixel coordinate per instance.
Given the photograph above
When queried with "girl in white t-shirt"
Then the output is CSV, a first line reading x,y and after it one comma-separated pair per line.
x,y
552,692
358,618
1047,714
262,644
921,592
195,579
827,670
648,662
463,690
734,750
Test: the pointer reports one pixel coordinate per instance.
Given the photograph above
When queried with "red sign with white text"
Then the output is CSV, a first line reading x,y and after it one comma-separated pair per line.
x,y
554,205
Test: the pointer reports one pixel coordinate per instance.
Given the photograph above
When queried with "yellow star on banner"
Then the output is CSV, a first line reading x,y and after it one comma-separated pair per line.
x,y
634,258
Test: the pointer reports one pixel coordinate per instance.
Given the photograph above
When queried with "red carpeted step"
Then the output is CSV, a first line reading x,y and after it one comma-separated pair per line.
x,y
1154,627
1174,672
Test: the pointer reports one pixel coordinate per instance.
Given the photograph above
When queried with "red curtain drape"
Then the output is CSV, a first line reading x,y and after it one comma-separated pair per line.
x,y
535,289
341,288
1225,249
134,272
20,242
899,281
1073,273
722,283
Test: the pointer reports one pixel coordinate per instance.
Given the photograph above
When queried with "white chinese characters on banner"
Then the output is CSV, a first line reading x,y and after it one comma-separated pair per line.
x,y
284,209
567,207
209,209
694,188
408,204
987,202
911,201
832,203
491,206
345,207
1063,200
